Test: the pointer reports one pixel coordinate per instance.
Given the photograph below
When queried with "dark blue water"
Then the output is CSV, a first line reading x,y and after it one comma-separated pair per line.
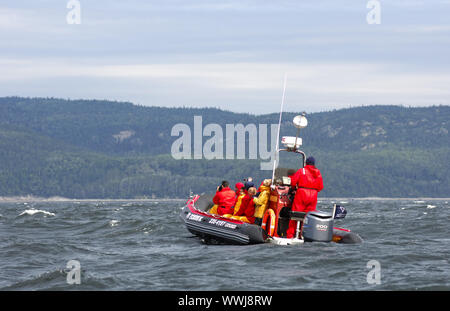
x,y
143,245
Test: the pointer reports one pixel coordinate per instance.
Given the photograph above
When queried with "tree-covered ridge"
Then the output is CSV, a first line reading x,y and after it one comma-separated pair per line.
x,y
104,149
99,125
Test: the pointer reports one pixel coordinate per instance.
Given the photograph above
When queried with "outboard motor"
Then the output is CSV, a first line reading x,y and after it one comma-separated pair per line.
x,y
318,226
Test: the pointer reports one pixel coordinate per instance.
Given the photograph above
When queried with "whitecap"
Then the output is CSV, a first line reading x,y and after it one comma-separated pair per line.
x,y
35,211
113,223
431,206
419,202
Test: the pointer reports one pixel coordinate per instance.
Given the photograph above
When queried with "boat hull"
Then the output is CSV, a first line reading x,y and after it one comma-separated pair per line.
x,y
214,228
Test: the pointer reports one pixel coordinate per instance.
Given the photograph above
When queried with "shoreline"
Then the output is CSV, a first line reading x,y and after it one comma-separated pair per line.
x,y
62,199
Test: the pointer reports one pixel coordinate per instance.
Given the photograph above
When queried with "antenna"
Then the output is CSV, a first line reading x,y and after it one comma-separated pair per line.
x,y
299,122
279,127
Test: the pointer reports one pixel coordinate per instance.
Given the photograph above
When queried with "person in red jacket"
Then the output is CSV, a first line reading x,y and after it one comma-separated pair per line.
x,y
238,188
309,182
224,199
247,210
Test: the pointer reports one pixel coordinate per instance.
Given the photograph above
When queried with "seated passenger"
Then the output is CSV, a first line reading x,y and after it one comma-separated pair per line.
x,y
224,200
248,184
261,202
240,194
238,188
247,208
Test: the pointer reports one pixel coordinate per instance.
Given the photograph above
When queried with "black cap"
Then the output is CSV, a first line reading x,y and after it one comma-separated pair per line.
x,y
310,161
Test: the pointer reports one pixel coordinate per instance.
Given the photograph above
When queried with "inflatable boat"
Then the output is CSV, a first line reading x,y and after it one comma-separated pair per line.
x,y
215,229
314,226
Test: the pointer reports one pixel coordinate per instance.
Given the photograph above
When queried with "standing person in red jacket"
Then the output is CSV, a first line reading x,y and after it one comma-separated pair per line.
x,y
309,182
247,210
224,199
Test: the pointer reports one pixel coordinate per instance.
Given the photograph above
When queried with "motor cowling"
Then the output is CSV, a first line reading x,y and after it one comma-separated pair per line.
x,y
318,227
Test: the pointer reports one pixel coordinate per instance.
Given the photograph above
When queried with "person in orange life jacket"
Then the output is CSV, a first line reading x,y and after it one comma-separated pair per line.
x,y
240,194
247,209
262,201
309,182
224,200
261,187
239,190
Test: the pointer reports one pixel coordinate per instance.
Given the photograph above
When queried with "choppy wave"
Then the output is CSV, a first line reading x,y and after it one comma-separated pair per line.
x,y
135,245
30,283
113,222
36,211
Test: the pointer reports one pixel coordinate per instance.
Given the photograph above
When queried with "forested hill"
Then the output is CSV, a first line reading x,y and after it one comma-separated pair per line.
x,y
104,149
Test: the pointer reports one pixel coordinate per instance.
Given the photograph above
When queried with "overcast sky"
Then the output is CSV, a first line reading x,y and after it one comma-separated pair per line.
x,y
229,54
